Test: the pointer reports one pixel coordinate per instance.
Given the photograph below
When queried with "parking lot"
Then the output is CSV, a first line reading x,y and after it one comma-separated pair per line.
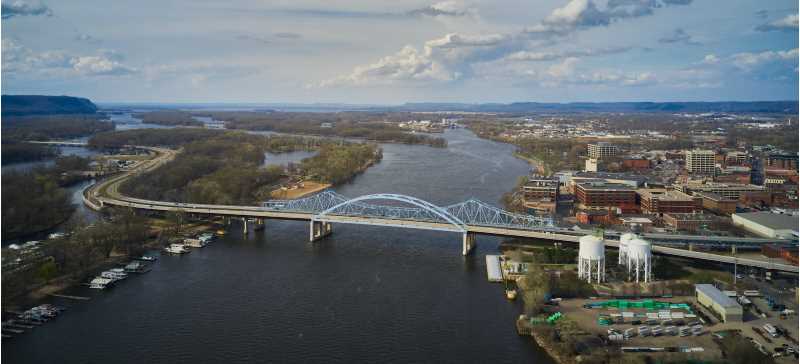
x,y
588,321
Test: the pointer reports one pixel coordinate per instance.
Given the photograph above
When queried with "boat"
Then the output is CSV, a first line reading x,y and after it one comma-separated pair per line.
x,y
176,249
195,243
511,294
114,275
147,258
100,283
134,267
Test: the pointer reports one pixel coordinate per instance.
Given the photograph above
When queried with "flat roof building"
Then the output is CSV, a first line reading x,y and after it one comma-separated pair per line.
x,y
602,150
729,190
713,299
604,195
658,201
701,161
767,224
541,193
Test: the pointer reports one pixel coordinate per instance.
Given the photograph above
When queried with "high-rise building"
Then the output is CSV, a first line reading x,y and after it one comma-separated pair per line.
x,y
602,150
700,161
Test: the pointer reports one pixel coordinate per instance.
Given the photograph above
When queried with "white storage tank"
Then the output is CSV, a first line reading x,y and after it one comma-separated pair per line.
x,y
640,253
591,258
624,239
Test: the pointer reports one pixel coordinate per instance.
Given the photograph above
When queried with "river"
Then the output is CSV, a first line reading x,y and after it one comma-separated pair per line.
x,y
363,294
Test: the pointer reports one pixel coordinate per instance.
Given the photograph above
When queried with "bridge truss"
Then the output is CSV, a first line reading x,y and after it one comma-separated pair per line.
x,y
328,204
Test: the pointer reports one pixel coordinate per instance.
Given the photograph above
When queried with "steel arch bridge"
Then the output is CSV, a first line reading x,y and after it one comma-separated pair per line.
x,y
331,206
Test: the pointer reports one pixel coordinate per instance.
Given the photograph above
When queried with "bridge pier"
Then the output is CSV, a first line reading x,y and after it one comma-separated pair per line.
x,y
468,243
319,230
259,225
244,224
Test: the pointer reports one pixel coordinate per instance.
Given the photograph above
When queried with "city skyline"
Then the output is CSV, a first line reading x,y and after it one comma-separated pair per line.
x,y
412,51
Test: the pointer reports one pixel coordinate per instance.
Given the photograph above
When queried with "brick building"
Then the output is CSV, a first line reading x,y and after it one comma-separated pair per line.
x,y
604,195
659,201
717,203
687,222
540,194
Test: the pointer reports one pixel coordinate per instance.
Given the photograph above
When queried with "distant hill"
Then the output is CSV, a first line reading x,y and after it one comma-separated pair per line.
x,y
699,107
18,105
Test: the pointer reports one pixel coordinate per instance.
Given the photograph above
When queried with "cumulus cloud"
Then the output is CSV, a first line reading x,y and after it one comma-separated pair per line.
x,y
749,61
445,8
451,57
24,8
578,14
787,24
678,36
18,59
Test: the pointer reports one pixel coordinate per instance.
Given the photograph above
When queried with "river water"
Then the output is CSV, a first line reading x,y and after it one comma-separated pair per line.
x,y
363,294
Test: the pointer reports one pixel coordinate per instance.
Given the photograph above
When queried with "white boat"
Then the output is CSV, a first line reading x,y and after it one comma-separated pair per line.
x,y
194,243
100,283
112,274
147,258
176,249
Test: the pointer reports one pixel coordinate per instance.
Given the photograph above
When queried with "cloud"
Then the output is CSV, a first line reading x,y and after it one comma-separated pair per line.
x,y
678,36
786,24
578,14
87,38
445,8
18,60
710,59
23,8
268,39
748,61
541,56
451,57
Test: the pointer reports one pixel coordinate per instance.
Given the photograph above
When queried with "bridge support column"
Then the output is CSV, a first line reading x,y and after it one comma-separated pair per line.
x,y
244,224
319,230
468,243
259,225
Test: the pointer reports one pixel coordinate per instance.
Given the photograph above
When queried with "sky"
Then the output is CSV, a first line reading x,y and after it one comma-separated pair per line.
x,y
392,52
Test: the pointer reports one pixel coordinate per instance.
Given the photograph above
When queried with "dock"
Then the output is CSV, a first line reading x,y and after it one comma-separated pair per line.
x,y
493,271
69,297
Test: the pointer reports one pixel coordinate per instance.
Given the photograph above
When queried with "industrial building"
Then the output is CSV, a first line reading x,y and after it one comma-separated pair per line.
x,y
767,224
602,150
659,201
713,299
701,161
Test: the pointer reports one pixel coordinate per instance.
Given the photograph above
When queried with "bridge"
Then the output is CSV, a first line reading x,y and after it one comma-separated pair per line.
x,y
468,218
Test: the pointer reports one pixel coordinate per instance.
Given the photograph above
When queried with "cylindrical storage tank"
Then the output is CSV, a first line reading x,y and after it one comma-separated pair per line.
x,y
624,239
592,248
639,249
639,259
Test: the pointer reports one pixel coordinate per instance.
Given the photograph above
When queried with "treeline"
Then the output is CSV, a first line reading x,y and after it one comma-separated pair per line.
x,y
32,201
169,117
371,126
226,167
45,127
336,164
13,152
77,257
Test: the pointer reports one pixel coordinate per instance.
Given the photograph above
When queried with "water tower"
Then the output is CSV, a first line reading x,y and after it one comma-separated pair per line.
x,y
592,259
624,239
639,259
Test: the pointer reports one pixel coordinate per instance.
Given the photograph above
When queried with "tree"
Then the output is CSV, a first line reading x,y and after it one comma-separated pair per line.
x,y
48,270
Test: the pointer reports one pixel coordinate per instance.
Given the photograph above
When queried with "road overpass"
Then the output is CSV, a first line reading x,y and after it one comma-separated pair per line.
x,y
468,218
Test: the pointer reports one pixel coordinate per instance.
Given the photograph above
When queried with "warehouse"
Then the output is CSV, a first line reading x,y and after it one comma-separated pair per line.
x,y
767,224
713,299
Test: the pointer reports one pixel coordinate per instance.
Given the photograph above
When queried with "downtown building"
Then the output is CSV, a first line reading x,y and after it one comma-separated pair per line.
x,y
699,161
602,150
540,194
606,196
660,201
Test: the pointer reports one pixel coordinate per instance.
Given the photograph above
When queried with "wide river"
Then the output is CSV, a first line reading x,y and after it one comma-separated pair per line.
x,y
363,294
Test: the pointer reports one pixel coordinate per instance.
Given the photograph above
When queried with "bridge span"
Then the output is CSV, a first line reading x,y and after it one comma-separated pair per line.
x,y
321,210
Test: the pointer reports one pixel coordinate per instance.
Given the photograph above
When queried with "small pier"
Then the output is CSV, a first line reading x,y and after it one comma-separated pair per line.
x,y
79,298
